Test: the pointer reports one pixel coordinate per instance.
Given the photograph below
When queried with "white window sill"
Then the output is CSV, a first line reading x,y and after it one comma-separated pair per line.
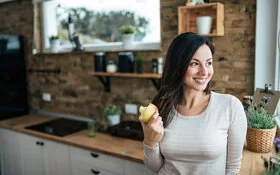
x,y
112,47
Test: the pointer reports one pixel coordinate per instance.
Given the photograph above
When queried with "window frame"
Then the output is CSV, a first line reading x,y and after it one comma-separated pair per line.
x,y
48,27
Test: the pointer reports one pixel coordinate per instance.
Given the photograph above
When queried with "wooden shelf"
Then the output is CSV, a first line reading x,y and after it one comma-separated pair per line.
x,y
128,75
104,78
187,18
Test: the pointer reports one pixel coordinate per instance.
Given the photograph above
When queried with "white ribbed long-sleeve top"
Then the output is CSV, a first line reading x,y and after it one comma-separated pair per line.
x,y
210,143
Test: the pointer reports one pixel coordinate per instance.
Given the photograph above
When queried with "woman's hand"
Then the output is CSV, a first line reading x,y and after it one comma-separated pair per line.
x,y
153,131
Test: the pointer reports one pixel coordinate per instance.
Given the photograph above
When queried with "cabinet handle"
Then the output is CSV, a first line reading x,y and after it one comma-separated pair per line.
x,y
42,143
94,171
94,155
37,143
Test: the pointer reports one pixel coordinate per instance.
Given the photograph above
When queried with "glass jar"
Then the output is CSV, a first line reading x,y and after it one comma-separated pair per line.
x,y
160,66
111,66
91,129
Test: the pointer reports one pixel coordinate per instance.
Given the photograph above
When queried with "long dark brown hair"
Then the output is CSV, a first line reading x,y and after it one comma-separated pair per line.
x,y
178,58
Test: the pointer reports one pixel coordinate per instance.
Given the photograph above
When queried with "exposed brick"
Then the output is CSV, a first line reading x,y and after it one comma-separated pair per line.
x,y
81,94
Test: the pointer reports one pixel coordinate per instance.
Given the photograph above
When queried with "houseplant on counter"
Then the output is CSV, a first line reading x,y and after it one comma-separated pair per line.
x,y
113,114
261,129
55,43
127,32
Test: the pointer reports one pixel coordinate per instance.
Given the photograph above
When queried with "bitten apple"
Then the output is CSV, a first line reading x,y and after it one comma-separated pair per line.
x,y
147,112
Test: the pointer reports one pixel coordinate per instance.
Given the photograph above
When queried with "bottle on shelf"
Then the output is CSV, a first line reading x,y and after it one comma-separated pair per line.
x,y
160,65
154,65
99,62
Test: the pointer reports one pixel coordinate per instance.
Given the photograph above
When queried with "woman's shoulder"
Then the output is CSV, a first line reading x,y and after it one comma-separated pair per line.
x,y
226,98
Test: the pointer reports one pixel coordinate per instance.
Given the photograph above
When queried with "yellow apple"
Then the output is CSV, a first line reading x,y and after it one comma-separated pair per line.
x,y
147,112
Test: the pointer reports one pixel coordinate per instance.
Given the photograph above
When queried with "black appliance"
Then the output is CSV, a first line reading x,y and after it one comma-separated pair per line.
x,y
13,83
59,127
127,129
126,62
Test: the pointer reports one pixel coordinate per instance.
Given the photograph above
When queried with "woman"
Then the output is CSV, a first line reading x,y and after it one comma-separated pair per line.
x,y
198,131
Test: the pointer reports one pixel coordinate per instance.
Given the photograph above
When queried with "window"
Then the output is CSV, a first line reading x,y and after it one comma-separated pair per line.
x,y
97,23
267,61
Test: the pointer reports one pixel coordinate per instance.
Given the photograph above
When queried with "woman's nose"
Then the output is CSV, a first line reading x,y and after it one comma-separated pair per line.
x,y
203,70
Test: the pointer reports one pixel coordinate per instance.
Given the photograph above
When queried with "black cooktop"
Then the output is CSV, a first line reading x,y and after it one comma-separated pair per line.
x,y
59,127
127,129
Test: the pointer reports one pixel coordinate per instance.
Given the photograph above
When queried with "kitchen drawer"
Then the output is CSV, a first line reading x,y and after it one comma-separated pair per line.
x,y
96,159
79,168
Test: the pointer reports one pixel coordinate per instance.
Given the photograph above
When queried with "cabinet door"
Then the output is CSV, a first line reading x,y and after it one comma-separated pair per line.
x,y
137,169
56,158
1,151
44,157
10,153
32,155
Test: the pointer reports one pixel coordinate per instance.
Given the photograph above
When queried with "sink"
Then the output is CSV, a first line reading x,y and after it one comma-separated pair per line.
x,y
59,127
127,129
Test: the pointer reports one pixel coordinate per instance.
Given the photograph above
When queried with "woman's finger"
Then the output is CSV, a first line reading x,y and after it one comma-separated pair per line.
x,y
143,124
153,119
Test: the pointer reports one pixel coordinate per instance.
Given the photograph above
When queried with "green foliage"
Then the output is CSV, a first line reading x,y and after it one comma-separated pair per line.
x,y
55,37
127,29
101,25
113,110
274,171
259,118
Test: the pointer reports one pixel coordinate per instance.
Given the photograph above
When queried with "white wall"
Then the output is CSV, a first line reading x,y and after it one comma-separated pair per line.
x,y
277,65
266,53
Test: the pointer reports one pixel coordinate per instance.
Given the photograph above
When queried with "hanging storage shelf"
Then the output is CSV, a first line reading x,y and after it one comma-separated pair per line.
x,y
187,18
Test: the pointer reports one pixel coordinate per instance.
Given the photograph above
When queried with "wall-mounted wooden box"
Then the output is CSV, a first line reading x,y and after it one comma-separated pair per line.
x,y
187,18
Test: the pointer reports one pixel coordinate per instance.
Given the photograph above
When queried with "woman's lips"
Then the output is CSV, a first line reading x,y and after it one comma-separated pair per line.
x,y
200,80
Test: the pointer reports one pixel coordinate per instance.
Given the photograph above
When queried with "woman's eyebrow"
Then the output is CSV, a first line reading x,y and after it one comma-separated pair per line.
x,y
195,59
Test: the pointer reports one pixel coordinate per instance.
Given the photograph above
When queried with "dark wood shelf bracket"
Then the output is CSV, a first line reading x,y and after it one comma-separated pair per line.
x,y
106,83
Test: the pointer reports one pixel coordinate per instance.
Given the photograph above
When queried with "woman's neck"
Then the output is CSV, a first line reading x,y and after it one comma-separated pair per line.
x,y
194,102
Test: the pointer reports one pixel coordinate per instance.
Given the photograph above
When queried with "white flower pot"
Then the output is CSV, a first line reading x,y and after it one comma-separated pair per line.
x,y
204,24
113,119
127,40
55,45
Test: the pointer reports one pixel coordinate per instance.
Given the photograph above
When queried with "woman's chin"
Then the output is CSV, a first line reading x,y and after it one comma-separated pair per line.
x,y
199,87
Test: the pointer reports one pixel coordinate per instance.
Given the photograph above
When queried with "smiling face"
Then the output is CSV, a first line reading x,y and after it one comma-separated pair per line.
x,y
200,70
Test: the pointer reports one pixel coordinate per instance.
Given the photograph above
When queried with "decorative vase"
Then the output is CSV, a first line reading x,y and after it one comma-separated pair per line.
x,y
204,24
260,140
127,40
55,45
114,119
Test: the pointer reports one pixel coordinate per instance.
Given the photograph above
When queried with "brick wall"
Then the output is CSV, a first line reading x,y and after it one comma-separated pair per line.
x,y
74,91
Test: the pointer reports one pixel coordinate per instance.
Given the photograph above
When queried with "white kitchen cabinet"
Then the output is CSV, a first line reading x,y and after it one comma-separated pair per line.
x,y
10,152
86,162
1,152
136,169
44,157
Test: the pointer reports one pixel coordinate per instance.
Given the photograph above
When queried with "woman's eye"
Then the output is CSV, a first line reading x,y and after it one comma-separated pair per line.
x,y
193,64
209,63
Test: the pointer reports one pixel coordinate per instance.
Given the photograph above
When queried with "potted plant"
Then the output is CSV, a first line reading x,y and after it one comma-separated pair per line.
x,y
55,43
272,164
113,114
139,62
261,129
127,32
